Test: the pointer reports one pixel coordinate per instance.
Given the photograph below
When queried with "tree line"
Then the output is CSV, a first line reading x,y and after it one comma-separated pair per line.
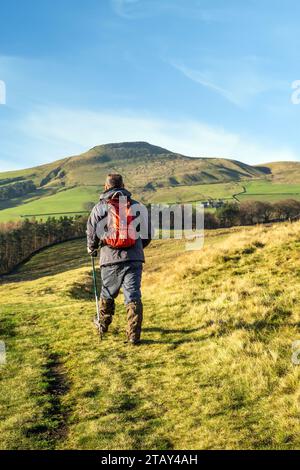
x,y
252,213
19,240
245,213
17,189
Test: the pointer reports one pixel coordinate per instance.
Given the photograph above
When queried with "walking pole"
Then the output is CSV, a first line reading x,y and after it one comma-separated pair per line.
x,y
97,318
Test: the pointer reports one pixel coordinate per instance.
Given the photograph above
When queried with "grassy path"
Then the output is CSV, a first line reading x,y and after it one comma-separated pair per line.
x,y
214,370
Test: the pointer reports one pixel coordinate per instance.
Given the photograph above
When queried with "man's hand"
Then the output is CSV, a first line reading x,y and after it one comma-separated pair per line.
x,y
92,253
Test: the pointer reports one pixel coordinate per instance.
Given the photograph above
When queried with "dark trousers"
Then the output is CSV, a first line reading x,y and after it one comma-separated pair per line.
x,y
127,275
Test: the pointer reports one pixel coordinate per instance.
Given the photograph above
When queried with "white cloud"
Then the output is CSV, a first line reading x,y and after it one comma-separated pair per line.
x,y
202,79
138,9
128,8
67,131
239,82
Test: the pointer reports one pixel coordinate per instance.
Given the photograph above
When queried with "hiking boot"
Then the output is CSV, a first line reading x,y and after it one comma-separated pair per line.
x,y
107,310
134,343
134,319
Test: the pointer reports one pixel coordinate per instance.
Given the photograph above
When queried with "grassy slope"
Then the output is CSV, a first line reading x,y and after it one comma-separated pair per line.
x,y
36,174
215,368
284,172
193,193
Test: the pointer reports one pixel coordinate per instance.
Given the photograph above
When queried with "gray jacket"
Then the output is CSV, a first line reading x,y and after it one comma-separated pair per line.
x,y
108,254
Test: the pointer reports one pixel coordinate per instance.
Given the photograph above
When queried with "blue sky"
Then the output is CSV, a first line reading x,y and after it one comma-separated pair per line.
x,y
201,77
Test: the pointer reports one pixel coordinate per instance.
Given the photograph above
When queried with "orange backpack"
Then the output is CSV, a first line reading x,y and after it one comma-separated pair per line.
x,y
120,233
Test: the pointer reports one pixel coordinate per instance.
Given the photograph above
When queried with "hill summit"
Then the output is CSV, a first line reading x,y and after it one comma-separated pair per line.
x,y
128,150
141,163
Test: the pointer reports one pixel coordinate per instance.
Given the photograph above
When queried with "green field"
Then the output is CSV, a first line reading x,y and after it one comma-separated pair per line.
x,y
64,201
201,192
268,191
214,370
74,200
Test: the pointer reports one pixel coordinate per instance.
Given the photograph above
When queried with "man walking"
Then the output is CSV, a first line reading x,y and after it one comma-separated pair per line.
x,y
119,226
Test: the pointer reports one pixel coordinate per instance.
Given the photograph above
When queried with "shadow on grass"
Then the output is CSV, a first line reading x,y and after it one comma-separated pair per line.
x,y
257,325
21,200
7,327
177,342
173,331
49,261
224,328
166,331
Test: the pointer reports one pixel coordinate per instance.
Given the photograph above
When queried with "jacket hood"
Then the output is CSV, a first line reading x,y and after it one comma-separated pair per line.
x,y
114,193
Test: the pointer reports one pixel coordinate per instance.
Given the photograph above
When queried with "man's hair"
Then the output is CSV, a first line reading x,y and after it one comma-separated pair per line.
x,y
114,180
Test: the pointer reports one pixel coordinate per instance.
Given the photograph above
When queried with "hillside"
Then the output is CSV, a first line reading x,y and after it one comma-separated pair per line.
x,y
152,173
283,172
142,164
214,370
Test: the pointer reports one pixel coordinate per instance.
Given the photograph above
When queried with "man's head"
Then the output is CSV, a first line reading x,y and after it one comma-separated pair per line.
x,y
114,181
